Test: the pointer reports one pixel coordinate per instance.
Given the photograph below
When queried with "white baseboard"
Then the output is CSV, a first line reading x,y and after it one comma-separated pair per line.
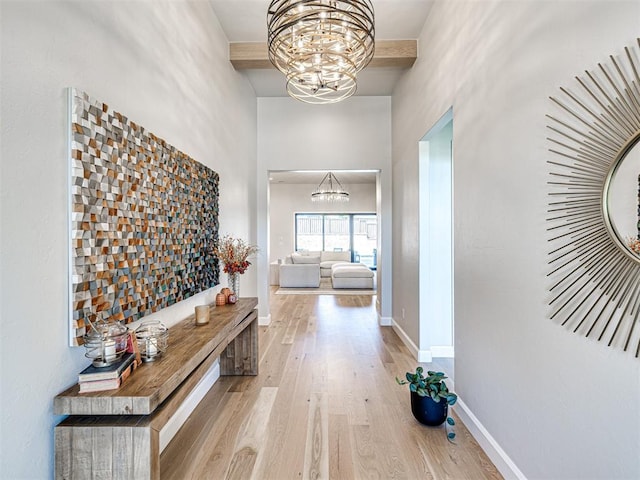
x,y
498,456
385,321
189,405
264,320
442,351
422,356
419,355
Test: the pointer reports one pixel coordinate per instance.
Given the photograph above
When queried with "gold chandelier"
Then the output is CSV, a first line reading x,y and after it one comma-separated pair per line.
x,y
320,46
330,190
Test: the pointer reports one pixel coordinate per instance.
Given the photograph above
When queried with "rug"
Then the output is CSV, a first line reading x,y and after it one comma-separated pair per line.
x,y
325,288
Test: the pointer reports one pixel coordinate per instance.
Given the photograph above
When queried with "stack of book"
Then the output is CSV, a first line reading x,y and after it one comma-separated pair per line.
x,y
94,379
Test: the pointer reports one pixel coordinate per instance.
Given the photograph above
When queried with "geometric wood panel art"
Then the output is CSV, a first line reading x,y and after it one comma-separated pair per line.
x,y
144,219
595,276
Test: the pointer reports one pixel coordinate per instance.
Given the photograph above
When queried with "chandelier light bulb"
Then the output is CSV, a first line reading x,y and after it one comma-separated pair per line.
x,y
330,190
320,46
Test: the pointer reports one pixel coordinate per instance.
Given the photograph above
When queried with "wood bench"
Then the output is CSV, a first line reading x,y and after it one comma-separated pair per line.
x,y
116,433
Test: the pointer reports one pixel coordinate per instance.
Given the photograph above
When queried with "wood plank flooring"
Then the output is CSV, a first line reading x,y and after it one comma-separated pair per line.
x,y
325,405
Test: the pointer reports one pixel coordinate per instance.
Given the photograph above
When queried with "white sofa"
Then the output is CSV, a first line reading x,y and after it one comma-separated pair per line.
x,y
304,269
300,275
325,259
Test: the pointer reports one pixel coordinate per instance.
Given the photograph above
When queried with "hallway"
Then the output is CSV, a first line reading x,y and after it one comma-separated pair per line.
x,y
325,405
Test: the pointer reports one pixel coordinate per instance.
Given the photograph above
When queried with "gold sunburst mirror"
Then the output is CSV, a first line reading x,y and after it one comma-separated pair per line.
x,y
594,206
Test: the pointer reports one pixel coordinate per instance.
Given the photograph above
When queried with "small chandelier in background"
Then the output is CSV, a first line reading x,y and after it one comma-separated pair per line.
x,y
320,46
330,190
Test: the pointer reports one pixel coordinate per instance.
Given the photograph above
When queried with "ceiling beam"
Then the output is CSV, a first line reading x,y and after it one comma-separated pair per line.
x,y
388,53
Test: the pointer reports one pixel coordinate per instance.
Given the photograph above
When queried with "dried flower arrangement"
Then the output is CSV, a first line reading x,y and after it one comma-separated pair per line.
x,y
234,253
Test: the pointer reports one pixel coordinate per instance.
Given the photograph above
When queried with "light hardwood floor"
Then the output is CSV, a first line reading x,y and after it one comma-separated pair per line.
x,y
325,405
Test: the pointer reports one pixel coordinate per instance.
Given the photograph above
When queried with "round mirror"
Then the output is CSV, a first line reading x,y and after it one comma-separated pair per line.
x,y
622,197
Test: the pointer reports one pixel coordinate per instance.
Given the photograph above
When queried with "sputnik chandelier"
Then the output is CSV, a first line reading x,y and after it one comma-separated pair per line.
x,y
330,190
320,46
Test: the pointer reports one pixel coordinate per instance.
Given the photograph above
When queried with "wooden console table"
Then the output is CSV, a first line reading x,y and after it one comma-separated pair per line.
x,y
116,433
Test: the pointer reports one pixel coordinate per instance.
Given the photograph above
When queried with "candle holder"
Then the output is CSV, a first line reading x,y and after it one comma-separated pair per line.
x,y
202,314
152,340
105,342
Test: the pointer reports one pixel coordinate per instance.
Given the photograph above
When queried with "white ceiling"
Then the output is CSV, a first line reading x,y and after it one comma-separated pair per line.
x,y
246,21
345,177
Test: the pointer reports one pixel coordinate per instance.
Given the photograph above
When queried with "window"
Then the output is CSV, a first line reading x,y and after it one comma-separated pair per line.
x,y
309,232
365,239
337,236
338,232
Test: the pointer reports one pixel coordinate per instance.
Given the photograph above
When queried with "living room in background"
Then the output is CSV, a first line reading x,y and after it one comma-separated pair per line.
x,y
355,232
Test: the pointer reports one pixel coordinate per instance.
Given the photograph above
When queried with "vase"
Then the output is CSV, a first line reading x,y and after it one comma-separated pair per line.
x,y
233,281
427,411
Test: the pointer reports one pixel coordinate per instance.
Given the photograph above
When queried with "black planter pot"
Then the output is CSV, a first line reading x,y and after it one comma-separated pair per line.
x,y
427,411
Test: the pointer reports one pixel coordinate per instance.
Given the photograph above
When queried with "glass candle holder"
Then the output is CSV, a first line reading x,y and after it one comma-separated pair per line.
x,y
105,343
152,340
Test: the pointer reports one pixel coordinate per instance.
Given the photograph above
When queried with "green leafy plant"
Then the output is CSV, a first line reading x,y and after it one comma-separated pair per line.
x,y
433,386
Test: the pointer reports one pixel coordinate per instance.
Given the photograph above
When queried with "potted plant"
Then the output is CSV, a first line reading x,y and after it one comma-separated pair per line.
x,y
430,399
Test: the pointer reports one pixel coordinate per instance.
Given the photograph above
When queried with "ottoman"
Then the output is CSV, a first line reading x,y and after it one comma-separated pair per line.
x,y
351,275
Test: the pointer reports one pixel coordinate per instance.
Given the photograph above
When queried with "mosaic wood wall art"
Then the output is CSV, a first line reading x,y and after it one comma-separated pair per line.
x,y
144,219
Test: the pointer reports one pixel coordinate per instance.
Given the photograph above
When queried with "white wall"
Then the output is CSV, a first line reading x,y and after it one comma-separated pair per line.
x,y
165,66
560,406
351,135
285,200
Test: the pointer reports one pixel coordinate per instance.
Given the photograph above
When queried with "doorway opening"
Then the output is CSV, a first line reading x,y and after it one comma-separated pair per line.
x,y
359,225
436,241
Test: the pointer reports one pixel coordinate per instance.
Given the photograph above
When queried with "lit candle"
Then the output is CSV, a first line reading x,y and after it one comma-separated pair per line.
x,y
152,347
109,350
202,314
